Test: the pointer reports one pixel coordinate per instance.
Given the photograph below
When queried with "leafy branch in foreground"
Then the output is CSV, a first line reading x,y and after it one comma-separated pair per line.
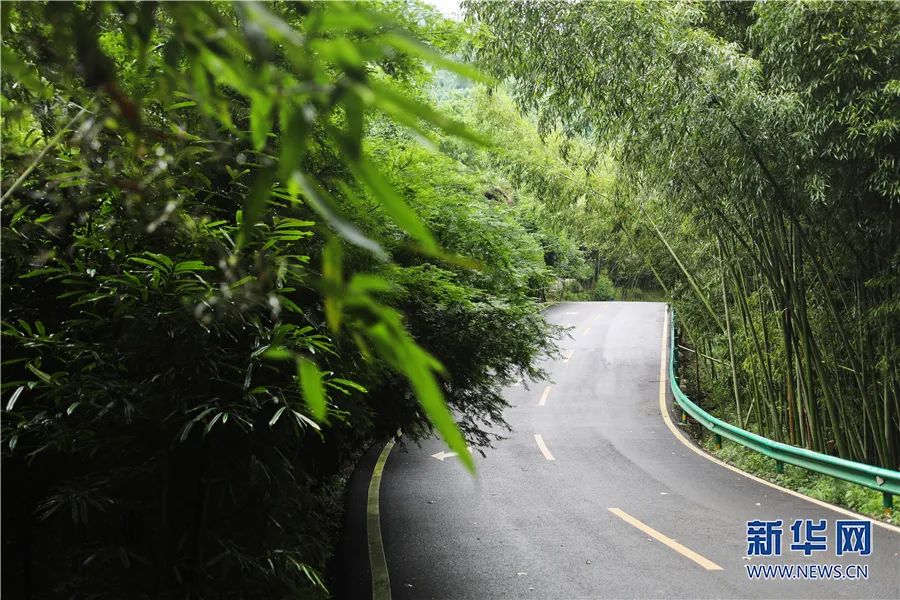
x,y
272,84
216,294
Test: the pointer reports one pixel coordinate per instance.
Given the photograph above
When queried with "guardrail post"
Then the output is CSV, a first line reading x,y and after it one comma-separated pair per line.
x,y
779,466
675,366
718,438
887,501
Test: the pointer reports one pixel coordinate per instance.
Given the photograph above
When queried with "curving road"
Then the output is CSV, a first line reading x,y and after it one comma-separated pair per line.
x,y
591,496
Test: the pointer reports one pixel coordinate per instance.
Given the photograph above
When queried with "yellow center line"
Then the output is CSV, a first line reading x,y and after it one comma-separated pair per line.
x,y
381,581
543,399
679,548
543,447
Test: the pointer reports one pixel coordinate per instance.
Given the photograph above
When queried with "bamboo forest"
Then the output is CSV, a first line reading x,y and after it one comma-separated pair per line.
x,y
246,244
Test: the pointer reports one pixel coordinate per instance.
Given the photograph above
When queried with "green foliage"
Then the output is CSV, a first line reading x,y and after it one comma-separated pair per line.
x,y
221,284
480,323
604,289
562,195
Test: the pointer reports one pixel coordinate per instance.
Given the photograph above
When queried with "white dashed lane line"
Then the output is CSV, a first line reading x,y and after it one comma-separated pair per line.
x,y
543,447
544,396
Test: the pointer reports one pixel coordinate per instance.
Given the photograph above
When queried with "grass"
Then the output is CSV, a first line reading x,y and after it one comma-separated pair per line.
x,y
821,487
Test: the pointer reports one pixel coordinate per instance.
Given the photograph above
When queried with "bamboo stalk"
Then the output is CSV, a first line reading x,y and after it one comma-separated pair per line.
x,y
728,333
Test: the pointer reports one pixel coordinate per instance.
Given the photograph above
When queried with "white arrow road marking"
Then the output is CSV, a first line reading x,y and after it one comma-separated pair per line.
x,y
442,455
543,447
543,399
674,545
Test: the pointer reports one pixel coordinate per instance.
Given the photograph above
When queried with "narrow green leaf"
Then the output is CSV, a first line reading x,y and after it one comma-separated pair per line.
x,y
154,262
212,423
399,106
260,120
321,202
40,374
255,206
278,353
192,265
304,420
332,274
14,397
311,385
415,364
184,104
351,384
242,281
276,416
412,46
432,400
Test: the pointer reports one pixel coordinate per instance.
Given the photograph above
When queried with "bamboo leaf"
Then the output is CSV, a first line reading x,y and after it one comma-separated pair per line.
x,y
14,397
407,43
310,379
276,416
278,353
320,201
432,401
260,120
255,205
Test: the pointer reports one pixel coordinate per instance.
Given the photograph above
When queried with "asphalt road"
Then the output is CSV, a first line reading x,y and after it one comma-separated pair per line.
x,y
530,527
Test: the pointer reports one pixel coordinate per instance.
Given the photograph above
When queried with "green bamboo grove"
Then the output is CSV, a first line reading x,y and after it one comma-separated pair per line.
x,y
757,177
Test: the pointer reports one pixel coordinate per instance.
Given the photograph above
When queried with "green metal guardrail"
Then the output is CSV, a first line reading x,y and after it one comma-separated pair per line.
x,y
885,481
